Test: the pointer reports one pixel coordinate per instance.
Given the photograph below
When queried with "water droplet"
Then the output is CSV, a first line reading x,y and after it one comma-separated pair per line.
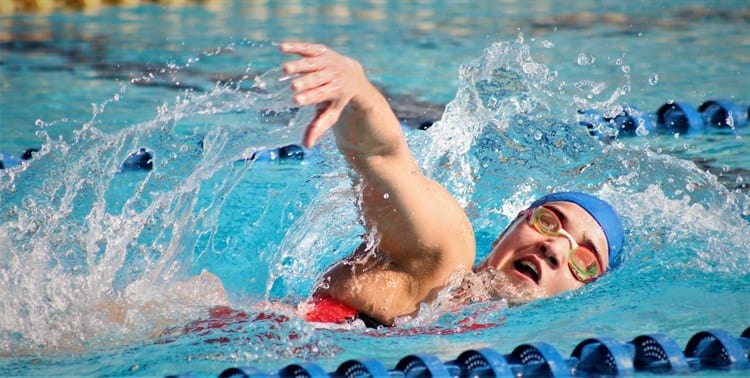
x,y
386,196
547,44
585,60
729,120
641,130
39,122
625,69
653,79
538,135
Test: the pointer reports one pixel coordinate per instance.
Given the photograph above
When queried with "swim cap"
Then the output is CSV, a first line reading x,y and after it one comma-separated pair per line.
x,y
601,211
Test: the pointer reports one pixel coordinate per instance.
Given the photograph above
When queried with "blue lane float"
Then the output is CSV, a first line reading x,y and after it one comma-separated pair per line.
x,y
593,121
718,349
603,356
283,153
631,122
8,160
484,362
362,368
659,354
724,113
715,350
679,117
671,117
141,160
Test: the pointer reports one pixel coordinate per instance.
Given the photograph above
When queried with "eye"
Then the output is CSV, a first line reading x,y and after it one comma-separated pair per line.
x,y
584,260
546,221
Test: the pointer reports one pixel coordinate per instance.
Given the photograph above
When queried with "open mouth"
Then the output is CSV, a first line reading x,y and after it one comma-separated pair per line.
x,y
528,269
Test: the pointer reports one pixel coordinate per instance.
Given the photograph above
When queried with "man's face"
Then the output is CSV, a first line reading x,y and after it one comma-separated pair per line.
x,y
538,262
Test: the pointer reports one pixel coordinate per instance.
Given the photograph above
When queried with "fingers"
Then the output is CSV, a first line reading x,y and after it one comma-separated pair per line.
x,y
316,128
302,48
312,80
305,65
328,92
312,133
327,115
314,57
322,72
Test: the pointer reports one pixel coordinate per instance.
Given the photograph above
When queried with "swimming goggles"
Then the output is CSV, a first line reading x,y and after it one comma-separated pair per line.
x,y
582,261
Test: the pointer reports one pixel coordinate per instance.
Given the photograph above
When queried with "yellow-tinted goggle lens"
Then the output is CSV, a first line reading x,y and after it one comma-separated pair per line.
x,y
545,221
584,265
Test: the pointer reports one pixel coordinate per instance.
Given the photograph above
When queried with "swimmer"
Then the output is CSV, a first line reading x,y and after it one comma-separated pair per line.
x,y
418,235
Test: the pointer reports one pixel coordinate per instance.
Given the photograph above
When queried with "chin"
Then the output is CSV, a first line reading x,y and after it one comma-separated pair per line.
x,y
515,293
521,295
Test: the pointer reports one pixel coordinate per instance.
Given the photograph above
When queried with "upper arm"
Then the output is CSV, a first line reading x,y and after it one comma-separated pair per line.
x,y
420,226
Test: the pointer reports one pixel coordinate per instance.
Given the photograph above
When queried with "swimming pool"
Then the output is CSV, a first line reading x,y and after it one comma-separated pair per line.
x,y
98,265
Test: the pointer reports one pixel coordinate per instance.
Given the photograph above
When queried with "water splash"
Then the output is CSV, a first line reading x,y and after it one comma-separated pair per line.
x,y
95,255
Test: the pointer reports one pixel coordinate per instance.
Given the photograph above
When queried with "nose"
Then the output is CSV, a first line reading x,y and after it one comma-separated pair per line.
x,y
555,250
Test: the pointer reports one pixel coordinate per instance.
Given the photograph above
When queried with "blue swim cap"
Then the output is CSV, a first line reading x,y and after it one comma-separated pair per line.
x,y
602,212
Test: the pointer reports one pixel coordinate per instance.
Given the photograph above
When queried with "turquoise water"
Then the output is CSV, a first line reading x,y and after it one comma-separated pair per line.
x,y
98,266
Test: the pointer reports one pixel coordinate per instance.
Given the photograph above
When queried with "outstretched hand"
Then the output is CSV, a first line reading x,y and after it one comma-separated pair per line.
x,y
326,79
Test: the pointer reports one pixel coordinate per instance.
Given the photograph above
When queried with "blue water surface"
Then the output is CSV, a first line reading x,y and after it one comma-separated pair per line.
x,y
109,272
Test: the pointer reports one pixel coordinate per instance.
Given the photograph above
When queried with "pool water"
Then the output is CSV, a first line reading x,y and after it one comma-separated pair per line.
x,y
108,271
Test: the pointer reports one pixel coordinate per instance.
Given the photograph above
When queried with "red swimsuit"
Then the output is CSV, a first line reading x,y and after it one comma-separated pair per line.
x,y
324,309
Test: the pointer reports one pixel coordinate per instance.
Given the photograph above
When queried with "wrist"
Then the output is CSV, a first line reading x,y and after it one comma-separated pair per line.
x,y
366,100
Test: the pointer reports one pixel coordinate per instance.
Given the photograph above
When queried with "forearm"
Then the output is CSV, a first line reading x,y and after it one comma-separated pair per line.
x,y
368,129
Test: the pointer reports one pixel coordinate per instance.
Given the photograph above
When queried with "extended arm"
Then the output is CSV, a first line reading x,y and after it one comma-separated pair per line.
x,y
423,234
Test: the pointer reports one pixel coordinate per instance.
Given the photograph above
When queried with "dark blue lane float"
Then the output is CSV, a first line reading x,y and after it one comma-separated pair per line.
x,y
141,160
724,113
672,117
679,117
8,160
683,117
289,152
604,356
629,122
714,350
